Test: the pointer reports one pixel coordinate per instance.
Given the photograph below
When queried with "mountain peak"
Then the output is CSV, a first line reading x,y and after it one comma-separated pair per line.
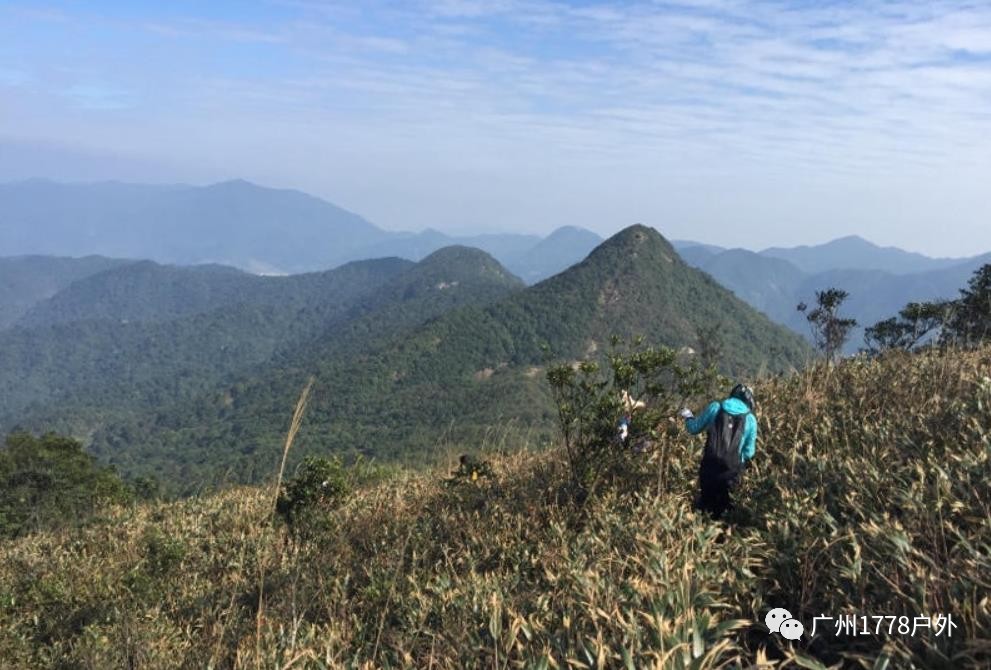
x,y
852,241
571,230
638,241
458,253
234,183
458,262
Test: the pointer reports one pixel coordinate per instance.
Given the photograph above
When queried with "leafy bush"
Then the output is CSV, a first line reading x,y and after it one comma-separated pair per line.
x,y
50,481
970,321
320,484
590,405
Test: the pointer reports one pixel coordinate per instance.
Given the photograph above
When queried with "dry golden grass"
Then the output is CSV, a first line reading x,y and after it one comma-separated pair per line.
x,y
870,495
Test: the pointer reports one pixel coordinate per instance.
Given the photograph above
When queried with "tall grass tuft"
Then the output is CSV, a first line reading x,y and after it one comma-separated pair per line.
x,y
294,425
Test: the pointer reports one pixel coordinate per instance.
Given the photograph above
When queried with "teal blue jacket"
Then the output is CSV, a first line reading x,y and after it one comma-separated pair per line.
x,y
748,443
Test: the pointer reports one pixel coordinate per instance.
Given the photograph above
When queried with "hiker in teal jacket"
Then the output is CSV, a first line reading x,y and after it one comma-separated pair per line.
x,y
731,442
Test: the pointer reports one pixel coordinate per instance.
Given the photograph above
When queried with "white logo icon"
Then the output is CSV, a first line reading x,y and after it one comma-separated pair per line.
x,y
792,629
780,620
775,618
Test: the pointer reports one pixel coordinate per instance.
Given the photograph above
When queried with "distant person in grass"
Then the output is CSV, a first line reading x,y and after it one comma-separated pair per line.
x,y
729,445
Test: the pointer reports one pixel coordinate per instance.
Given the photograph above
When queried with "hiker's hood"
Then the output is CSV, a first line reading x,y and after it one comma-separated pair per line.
x,y
735,406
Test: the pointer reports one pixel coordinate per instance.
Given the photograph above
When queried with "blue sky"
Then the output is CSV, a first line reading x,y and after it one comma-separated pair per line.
x,y
732,122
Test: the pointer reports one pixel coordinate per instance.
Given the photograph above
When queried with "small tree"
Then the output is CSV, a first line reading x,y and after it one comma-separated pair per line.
x,y
970,322
320,484
829,331
913,326
588,396
50,481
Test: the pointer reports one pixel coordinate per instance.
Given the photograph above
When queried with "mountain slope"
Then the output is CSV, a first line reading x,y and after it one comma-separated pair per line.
x,y
114,368
28,280
767,284
775,286
234,222
852,507
127,386
145,291
853,252
558,251
398,390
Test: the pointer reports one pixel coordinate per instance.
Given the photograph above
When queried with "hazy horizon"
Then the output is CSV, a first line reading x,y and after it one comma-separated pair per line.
x,y
721,121
480,232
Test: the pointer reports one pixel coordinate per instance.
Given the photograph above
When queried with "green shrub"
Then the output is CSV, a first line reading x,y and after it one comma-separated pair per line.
x,y
320,484
589,401
49,481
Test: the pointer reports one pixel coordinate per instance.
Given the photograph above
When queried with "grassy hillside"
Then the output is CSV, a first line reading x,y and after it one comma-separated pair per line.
x,y
869,496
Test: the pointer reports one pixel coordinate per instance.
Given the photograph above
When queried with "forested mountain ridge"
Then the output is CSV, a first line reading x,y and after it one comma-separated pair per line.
x,y
26,281
115,368
126,384
392,385
145,291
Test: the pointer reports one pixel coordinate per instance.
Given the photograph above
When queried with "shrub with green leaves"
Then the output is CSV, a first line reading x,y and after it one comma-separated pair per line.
x,y
49,481
589,400
320,484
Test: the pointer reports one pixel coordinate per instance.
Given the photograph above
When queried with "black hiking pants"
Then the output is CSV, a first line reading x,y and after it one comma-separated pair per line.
x,y
716,482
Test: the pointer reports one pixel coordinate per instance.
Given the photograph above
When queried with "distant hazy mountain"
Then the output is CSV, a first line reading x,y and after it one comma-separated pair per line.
x,y
555,253
775,286
27,280
234,223
856,253
699,247
767,284
258,229
877,295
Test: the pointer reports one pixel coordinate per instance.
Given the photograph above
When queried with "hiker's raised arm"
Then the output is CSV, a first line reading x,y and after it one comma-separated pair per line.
x,y
699,423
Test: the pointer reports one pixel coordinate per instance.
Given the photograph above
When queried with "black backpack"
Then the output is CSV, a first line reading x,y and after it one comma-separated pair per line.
x,y
722,445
